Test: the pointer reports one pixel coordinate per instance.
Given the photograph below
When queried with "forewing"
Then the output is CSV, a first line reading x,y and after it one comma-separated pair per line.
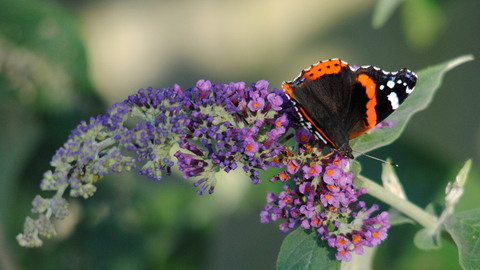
x,y
323,97
377,94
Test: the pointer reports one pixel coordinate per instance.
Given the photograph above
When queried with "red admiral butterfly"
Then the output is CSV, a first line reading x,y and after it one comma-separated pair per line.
x,y
337,102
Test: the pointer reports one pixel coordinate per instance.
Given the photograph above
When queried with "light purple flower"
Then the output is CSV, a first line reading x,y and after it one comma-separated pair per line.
x,y
331,173
314,171
256,104
293,166
303,136
275,100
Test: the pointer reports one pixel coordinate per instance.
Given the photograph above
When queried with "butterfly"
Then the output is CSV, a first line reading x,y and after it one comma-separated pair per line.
x,y
337,102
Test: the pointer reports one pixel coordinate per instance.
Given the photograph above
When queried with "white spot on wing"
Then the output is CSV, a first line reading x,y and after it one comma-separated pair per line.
x,y
390,84
382,87
392,97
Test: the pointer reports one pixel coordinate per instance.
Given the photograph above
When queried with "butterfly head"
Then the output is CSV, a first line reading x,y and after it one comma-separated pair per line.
x,y
346,151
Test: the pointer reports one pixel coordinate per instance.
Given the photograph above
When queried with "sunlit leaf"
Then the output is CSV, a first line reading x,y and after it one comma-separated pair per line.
x,y
465,230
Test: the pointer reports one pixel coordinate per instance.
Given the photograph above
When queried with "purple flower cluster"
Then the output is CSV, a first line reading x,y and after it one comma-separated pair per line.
x,y
217,127
88,155
325,198
227,127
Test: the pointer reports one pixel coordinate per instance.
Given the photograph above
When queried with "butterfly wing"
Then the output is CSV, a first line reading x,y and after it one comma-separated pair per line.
x,y
375,95
322,95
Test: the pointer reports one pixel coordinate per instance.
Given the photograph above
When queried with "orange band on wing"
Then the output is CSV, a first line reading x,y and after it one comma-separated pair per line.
x,y
323,68
371,87
287,89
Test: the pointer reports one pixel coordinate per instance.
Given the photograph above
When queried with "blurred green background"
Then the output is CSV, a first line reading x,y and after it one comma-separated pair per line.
x,y
64,61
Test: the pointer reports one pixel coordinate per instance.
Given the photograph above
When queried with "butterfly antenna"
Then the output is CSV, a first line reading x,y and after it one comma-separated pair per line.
x,y
381,160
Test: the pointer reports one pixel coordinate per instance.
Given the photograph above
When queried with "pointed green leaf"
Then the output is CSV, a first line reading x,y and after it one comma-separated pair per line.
x,y
465,230
383,11
462,175
454,191
429,80
302,249
390,180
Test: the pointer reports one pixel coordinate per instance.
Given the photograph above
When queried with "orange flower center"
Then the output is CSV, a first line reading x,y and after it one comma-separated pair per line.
x,y
356,238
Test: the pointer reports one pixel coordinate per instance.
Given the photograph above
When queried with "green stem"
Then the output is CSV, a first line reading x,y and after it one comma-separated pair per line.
x,y
106,143
411,210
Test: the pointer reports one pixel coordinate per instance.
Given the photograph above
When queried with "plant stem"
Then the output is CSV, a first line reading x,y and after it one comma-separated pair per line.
x,y
411,210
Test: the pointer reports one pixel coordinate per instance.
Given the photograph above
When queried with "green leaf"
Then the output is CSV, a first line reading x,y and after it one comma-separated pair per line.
x,y
303,249
462,175
465,230
355,167
383,11
390,180
429,80
427,239
454,191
